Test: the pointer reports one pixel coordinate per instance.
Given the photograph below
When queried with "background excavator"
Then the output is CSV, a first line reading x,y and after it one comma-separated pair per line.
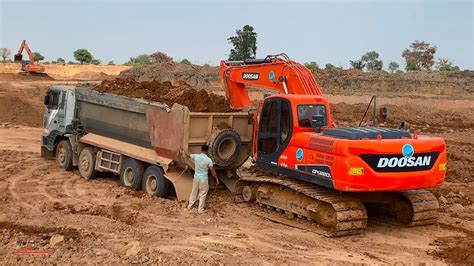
x,y
326,173
30,66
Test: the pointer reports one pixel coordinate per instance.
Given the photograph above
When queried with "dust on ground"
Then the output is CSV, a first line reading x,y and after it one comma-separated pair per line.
x,y
182,93
100,221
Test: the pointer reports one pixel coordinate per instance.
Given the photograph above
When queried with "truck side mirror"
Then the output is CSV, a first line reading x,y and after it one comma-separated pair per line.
x,y
46,99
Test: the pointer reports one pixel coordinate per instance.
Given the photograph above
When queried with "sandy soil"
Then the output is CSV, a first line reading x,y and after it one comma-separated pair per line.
x,y
104,222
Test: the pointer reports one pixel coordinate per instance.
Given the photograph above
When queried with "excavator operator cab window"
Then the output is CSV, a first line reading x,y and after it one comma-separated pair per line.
x,y
311,115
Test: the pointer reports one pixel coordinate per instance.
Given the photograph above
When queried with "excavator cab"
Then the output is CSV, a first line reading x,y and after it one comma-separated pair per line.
x,y
282,117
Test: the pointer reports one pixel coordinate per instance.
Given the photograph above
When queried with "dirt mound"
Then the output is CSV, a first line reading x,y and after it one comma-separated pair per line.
x,y
16,111
90,75
456,250
199,77
182,93
160,57
462,74
20,77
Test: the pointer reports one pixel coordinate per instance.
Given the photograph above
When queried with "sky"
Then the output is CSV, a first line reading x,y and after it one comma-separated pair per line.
x,y
322,31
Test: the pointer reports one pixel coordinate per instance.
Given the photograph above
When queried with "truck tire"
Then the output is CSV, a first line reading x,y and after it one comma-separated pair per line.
x,y
131,174
154,182
64,155
87,163
224,146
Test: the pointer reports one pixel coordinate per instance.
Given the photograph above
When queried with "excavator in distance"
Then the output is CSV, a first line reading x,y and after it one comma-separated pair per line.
x,y
28,67
326,173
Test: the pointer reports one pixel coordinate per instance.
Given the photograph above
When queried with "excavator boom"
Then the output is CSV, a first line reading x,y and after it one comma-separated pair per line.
x,y
276,72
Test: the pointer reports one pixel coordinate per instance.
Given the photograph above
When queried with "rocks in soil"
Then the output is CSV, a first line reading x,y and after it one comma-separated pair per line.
x,y
165,92
132,249
456,207
56,240
450,195
443,200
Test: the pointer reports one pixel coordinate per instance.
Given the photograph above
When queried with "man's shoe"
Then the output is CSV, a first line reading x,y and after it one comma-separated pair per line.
x,y
203,211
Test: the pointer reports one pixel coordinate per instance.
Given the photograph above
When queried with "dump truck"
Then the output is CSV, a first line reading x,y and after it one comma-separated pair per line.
x,y
143,142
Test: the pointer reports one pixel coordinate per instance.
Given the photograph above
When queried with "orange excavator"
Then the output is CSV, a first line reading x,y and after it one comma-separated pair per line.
x,y
321,172
28,67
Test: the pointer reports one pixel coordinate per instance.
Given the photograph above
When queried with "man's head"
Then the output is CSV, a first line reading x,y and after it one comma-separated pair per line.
x,y
204,148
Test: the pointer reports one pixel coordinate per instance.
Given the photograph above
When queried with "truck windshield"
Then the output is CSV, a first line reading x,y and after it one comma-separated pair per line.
x,y
308,112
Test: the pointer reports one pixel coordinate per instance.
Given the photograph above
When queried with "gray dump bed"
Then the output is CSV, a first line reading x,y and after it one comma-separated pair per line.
x,y
155,125
115,116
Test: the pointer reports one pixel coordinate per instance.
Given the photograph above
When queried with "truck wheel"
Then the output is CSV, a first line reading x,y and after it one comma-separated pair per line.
x,y
131,174
155,183
87,163
64,155
224,147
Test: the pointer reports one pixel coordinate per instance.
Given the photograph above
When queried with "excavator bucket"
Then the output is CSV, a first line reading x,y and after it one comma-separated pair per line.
x,y
18,57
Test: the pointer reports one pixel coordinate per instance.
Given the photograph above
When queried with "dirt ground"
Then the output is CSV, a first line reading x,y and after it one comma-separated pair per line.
x,y
66,219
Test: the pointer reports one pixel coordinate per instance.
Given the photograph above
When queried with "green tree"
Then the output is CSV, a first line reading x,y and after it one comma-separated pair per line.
x,y
206,66
393,66
311,65
411,65
185,62
329,67
245,44
372,62
83,56
96,61
446,65
111,63
420,56
140,60
37,57
357,64
143,59
60,60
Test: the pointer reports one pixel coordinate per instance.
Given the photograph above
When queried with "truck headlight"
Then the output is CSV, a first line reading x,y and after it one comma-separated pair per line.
x,y
356,171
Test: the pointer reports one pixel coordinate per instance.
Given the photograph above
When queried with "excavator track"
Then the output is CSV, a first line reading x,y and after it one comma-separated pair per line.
x,y
412,207
340,214
424,207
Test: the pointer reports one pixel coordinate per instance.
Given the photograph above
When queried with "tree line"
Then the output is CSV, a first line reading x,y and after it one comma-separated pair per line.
x,y
419,56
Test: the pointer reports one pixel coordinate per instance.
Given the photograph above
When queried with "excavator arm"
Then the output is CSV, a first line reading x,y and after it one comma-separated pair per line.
x,y
276,72
19,56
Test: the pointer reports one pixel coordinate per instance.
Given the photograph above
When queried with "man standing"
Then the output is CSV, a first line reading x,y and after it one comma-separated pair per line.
x,y
202,165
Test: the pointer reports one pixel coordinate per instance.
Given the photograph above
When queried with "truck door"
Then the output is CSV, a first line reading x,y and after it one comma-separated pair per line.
x,y
274,131
55,103
62,112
